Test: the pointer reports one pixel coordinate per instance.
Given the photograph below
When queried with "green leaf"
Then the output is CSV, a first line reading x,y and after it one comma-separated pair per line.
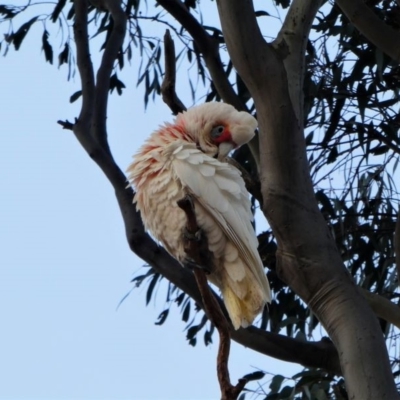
x,y
64,55
7,11
48,51
283,3
180,298
325,202
254,376
151,287
186,312
57,9
261,14
19,36
115,83
71,12
208,336
333,155
75,96
276,383
191,334
362,98
287,393
162,317
309,138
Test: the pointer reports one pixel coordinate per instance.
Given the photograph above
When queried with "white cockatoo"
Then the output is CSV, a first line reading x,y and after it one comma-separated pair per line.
x,y
189,157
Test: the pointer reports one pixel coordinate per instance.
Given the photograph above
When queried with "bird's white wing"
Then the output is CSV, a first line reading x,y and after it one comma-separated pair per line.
x,y
220,189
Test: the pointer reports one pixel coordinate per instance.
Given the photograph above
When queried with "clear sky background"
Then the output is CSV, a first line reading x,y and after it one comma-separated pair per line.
x,y
64,261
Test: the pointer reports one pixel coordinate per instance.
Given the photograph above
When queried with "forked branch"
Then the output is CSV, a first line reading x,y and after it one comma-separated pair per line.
x,y
208,47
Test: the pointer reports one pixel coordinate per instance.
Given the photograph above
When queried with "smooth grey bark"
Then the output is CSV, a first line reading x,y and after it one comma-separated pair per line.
x,y
308,259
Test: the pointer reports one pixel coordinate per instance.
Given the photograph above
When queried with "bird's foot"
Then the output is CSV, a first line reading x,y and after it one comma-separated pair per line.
x,y
192,264
193,237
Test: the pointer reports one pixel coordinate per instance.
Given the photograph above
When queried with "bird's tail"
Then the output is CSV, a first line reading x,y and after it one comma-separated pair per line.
x,y
244,298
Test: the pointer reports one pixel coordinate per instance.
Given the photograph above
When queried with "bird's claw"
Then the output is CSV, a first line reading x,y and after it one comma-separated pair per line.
x,y
194,237
191,264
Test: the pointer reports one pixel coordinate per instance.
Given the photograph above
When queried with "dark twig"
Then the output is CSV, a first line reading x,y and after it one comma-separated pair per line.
x,y
66,124
168,92
195,249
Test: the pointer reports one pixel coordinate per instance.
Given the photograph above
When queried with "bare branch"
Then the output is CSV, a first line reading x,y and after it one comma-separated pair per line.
x,y
168,91
114,45
84,61
208,47
382,307
292,39
66,125
372,27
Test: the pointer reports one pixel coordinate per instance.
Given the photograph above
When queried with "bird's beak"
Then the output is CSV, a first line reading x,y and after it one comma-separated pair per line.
x,y
224,149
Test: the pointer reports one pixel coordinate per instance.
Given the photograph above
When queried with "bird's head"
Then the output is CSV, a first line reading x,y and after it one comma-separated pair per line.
x,y
217,128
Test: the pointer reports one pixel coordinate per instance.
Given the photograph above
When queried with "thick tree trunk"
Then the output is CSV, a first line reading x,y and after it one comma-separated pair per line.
x,y
308,258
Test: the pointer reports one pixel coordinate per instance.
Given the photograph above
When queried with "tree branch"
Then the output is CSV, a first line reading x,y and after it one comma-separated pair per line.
x,y
168,91
372,27
382,307
292,39
113,46
84,61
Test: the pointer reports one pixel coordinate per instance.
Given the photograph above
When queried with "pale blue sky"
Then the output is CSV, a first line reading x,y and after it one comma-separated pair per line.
x,y
65,263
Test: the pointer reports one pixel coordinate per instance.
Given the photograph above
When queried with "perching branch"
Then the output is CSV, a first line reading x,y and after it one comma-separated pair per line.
x,y
197,250
168,92
372,27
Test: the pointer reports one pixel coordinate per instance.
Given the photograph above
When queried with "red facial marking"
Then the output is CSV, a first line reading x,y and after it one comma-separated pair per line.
x,y
226,136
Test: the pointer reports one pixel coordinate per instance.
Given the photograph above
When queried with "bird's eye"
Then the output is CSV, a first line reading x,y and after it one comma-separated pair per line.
x,y
217,131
